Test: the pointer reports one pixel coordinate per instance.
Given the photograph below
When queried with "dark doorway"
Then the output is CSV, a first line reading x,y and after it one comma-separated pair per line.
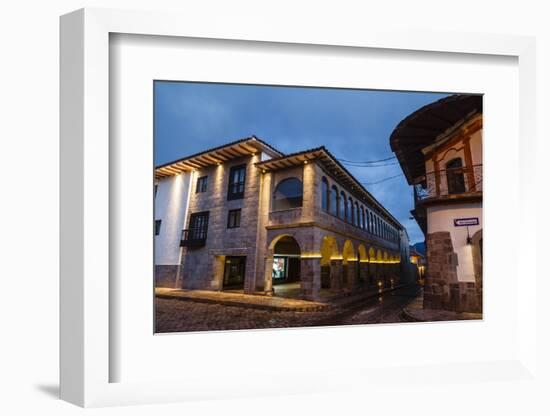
x,y
233,275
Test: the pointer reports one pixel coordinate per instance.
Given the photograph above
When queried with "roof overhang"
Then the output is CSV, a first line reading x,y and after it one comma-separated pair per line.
x,y
423,127
234,150
334,169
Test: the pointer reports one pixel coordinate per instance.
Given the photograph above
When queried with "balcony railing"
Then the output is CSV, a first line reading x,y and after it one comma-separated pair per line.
x,y
194,237
449,182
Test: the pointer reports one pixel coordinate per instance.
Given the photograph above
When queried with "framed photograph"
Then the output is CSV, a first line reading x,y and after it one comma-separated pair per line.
x,y
280,212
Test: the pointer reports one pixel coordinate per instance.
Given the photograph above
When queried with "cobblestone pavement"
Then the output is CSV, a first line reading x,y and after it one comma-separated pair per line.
x,y
173,315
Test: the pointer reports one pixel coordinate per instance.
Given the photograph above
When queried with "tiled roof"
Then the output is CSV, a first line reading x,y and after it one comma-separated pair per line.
x,y
334,168
215,155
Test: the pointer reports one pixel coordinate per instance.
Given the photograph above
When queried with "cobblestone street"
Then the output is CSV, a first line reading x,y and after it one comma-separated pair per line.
x,y
174,315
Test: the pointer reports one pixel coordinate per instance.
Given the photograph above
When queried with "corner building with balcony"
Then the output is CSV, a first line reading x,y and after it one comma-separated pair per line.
x,y
440,151
244,216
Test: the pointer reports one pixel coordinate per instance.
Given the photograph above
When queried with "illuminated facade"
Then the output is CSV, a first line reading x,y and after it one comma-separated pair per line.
x,y
245,216
439,148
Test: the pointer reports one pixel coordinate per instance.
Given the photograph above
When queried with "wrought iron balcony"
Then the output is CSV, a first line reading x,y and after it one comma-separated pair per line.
x,y
194,237
449,184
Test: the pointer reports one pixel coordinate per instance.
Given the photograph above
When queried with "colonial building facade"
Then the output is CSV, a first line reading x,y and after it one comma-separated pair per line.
x,y
246,216
439,148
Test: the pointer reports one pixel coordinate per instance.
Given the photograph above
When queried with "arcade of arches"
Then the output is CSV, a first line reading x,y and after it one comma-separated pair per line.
x,y
328,265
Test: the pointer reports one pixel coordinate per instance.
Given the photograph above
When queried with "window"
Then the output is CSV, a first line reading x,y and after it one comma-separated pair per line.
x,y
455,176
237,177
157,227
357,218
156,189
325,196
368,220
288,194
350,211
343,206
198,226
371,223
334,209
234,218
362,218
202,182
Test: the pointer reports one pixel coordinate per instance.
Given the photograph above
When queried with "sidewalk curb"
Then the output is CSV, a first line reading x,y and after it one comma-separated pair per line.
x,y
226,302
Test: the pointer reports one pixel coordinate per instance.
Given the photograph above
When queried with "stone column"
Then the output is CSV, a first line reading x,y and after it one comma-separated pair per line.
x,y
310,278
352,275
441,273
268,273
363,272
336,275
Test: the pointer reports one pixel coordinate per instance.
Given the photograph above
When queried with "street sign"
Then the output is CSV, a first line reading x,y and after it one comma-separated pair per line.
x,y
464,222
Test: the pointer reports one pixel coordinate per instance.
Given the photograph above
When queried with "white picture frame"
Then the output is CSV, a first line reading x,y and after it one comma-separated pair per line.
x,y
85,217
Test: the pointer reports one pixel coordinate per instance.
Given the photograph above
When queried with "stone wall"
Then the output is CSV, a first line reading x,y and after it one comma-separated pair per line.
x,y
202,270
442,290
166,275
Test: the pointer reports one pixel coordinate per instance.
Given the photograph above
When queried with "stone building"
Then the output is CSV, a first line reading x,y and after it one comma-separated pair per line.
x,y
439,148
244,216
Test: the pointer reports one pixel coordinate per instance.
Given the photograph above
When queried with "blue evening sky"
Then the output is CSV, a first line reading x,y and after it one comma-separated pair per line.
x,y
354,125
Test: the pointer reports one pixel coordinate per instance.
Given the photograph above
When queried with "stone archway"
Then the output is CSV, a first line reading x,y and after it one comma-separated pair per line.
x,y
283,266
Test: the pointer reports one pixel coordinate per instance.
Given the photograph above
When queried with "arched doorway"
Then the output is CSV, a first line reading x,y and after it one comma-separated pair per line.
x,y
285,266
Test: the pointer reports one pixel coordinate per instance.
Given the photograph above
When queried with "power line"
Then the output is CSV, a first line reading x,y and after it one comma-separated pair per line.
x,y
382,180
367,161
370,166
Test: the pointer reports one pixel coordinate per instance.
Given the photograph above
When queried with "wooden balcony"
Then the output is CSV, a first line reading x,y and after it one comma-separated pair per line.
x,y
449,184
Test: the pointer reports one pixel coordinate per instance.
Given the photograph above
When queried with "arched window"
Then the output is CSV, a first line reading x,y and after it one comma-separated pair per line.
x,y
350,211
334,209
343,206
371,224
362,218
288,194
325,196
357,221
455,176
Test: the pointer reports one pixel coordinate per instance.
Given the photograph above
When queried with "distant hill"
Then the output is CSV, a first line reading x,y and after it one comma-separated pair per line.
x,y
420,248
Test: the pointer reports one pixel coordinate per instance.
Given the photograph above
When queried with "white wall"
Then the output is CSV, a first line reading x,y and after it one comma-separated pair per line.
x,y
440,218
171,203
